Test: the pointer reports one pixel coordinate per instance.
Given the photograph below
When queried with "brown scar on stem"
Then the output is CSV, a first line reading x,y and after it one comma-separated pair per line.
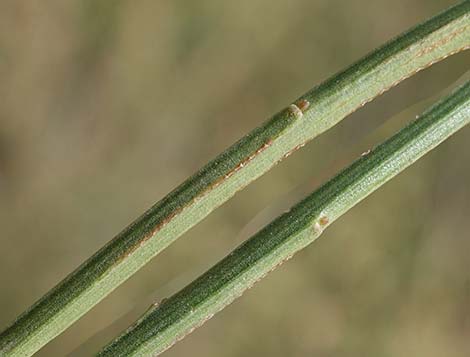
x,y
175,213
442,41
290,152
293,108
248,159
419,54
302,104
321,223
324,220
394,84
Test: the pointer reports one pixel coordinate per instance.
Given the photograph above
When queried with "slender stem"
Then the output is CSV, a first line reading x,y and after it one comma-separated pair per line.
x,y
177,316
220,179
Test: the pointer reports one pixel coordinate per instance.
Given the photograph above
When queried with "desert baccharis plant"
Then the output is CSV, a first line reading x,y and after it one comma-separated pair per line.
x,y
304,119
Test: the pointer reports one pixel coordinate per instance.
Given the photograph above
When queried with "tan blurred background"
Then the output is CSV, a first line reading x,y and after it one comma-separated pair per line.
x,y
105,106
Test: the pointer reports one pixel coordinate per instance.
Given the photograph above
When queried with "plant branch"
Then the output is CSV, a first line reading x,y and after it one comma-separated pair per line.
x,y
252,156
174,318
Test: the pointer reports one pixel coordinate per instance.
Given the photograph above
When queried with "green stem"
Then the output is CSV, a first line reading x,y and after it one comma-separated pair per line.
x,y
248,159
177,316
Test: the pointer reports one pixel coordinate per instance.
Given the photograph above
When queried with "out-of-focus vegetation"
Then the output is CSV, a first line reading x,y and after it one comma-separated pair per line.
x,y
107,105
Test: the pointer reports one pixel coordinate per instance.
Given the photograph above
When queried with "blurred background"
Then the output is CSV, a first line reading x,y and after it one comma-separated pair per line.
x,y
105,106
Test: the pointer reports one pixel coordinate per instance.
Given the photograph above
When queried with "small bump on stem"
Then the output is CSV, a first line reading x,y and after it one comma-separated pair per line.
x,y
302,104
321,223
296,112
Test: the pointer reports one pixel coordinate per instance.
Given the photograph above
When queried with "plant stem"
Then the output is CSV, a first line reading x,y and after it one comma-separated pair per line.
x,y
220,179
177,316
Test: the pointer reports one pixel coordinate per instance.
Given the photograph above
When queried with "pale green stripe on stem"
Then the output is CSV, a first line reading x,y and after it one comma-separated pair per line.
x,y
252,156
